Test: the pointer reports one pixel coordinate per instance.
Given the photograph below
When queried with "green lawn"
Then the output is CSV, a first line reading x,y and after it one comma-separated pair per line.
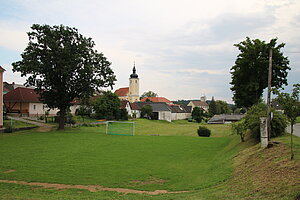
x,y
178,128
87,156
176,160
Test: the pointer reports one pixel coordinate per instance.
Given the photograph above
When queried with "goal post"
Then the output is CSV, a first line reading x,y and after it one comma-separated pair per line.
x,y
120,128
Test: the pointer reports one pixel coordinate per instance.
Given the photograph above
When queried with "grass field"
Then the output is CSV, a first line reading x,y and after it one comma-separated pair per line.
x,y
86,156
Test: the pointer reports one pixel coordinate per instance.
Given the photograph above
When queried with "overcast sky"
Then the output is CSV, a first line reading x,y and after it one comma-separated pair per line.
x,y
182,49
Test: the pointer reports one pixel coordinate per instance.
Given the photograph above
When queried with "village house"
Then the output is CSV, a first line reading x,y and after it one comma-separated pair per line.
x,y
199,103
26,102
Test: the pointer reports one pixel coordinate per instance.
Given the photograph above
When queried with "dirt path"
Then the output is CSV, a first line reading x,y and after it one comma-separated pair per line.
x,y
91,188
42,126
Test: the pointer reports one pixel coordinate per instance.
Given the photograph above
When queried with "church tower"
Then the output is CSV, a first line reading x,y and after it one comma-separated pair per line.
x,y
133,94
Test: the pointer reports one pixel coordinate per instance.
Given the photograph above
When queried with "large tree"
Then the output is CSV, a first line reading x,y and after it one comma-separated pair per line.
x,y
62,65
250,72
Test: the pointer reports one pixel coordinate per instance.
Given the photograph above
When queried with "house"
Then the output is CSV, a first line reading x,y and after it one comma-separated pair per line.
x,y
130,93
160,110
199,103
225,119
157,100
26,102
180,112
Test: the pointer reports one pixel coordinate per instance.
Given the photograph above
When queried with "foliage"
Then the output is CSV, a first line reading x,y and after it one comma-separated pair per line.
x,y
212,107
203,131
290,103
148,94
223,107
123,114
240,129
250,72
291,106
62,65
252,121
146,111
107,106
198,114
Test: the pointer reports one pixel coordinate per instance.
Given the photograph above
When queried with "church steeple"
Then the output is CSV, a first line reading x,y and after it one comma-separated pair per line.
x,y
133,95
134,75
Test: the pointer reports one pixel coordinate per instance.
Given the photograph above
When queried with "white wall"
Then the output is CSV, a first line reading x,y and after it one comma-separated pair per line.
x,y
40,109
165,115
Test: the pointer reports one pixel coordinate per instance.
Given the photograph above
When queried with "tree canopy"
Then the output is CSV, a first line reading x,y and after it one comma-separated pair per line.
x,y
62,65
198,114
107,106
148,94
250,72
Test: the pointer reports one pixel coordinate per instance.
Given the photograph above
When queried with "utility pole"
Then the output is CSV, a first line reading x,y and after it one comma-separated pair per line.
x,y
269,95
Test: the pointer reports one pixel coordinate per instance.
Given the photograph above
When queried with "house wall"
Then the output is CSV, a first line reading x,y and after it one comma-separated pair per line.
x,y
165,115
180,116
40,109
17,107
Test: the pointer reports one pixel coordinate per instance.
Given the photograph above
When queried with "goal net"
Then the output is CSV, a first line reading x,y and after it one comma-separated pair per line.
x,y
120,128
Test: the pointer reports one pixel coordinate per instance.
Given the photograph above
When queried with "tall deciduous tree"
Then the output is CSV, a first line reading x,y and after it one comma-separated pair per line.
x,y
250,72
62,65
291,106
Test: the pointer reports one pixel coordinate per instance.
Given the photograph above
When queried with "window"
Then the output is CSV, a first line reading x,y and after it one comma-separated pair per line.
x,y
34,107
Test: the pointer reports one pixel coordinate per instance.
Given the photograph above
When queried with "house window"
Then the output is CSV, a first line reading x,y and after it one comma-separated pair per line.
x,y
34,107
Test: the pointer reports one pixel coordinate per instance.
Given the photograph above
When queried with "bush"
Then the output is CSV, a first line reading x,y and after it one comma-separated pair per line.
x,y
252,121
203,131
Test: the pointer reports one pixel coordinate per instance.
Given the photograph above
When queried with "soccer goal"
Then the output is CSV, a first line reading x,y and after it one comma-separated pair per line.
x,y
120,128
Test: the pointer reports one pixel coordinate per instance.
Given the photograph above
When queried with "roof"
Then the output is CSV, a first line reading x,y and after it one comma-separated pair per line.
x,y
156,106
2,69
199,103
123,104
134,106
121,92
225,118
188,109
156,99
21,95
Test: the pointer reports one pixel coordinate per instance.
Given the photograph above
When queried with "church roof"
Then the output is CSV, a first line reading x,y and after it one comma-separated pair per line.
x,y
121,92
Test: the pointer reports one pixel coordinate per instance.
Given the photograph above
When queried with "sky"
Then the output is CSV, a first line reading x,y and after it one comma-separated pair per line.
x,y
181,49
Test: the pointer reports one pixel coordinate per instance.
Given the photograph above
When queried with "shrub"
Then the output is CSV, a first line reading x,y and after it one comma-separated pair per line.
x,y
252,121
203,131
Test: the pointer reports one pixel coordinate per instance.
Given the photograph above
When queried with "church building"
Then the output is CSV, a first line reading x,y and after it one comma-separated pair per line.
x,y
130,93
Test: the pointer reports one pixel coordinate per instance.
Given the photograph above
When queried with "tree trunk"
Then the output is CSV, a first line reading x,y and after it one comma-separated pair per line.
x,y
292,153
61,122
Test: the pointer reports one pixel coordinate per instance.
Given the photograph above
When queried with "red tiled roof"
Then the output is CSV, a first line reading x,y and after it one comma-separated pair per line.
x,y
121,92
21,95
134,106
156,99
